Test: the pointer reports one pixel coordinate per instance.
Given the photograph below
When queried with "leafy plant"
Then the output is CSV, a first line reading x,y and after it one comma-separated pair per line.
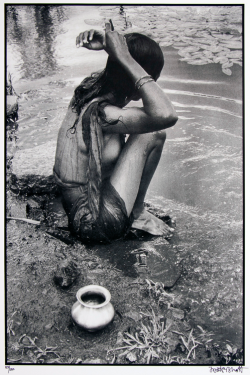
x,y
232,355
34,352
156,289
151,340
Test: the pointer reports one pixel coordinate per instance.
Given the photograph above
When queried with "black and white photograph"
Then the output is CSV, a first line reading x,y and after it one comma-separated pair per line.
x,y
124,186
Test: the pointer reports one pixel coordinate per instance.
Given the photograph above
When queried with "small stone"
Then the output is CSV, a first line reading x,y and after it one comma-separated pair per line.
x,y
49,326
131,357
66,273
94,361
26,341
178,313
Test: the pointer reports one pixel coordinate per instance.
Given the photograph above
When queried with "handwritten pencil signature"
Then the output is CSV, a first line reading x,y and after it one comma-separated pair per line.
x,y
226,369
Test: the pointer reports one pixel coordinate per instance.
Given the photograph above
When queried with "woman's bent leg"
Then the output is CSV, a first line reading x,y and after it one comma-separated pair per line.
x,y
132,175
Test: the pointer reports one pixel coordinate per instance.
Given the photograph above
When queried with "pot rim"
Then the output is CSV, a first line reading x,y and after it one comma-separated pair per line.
x,y
97,289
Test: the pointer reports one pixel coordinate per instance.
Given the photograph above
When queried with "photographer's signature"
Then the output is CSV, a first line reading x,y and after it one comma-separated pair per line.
x,y
226,369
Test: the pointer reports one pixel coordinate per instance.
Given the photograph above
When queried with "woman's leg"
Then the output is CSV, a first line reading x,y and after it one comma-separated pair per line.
x,y
132,175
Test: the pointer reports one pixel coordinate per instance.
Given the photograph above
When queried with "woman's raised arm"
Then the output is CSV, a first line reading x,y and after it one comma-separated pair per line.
x,y
157,113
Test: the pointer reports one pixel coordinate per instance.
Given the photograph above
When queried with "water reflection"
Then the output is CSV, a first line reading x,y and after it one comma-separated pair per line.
x,y
31,31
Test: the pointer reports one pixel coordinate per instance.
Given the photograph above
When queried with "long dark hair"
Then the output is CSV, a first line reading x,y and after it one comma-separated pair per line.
x,y
113,79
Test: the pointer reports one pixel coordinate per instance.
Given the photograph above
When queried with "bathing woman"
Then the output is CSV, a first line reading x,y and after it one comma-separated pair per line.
x,y
103,179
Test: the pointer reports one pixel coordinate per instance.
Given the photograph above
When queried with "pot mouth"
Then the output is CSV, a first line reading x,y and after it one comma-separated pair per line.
x,y
93,296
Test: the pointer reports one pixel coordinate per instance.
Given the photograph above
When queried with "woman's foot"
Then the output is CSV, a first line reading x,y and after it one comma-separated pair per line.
x,y
150,223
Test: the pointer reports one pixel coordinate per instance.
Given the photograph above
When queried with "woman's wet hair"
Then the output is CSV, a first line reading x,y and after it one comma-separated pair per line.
x,y
114,79
146,52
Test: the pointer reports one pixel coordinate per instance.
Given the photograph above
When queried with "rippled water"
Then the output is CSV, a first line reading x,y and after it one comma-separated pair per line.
x,y
199,178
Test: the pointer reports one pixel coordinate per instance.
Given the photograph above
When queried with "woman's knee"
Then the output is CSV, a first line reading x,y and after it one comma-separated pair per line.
x,y
155,137
148,141
160,136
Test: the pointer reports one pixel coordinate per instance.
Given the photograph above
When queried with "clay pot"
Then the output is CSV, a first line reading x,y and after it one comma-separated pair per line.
x,y
93,310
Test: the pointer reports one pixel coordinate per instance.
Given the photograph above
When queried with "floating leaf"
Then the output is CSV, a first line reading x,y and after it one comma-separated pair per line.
x,y
179,44
208,54
190,32
235,54
235,61
184,53
198,62
190,49
227,72
227,65
220,59
233,44
165,44
214,48
224,52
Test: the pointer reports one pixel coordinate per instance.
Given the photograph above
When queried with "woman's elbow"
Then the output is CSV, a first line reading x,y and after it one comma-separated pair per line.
x,y
170,120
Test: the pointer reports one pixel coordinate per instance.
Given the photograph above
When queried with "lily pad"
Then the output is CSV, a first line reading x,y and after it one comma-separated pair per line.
x,y
183,53
166,44
227,65
233,44
235,54
235,61
214,48
225,36
199,62
220,59
208,54
224,52
228,72
179,44
190,49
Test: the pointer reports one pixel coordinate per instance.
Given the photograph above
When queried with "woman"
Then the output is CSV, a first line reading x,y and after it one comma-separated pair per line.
x,y
104,180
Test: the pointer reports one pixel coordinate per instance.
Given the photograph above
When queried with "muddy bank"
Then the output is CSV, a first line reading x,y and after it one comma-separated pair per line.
x,y
152,323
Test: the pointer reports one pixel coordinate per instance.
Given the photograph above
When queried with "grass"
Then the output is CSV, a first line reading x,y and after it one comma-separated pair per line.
x,y
10,321
153,341
157,341
27,346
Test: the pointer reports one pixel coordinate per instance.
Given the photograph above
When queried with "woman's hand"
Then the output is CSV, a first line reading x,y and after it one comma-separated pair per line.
x,y
111,41
91,39
115,44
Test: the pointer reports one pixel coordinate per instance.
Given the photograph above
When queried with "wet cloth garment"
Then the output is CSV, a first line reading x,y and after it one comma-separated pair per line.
x,y
112,222
95,210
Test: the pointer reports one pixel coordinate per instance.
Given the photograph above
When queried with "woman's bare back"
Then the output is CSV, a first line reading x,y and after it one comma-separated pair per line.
x,y
71,159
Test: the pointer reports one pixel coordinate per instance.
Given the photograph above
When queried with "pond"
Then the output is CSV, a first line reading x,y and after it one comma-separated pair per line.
x,y
199,179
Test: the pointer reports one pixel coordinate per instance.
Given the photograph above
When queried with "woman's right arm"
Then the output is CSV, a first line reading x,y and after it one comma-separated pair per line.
x,y
157,113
